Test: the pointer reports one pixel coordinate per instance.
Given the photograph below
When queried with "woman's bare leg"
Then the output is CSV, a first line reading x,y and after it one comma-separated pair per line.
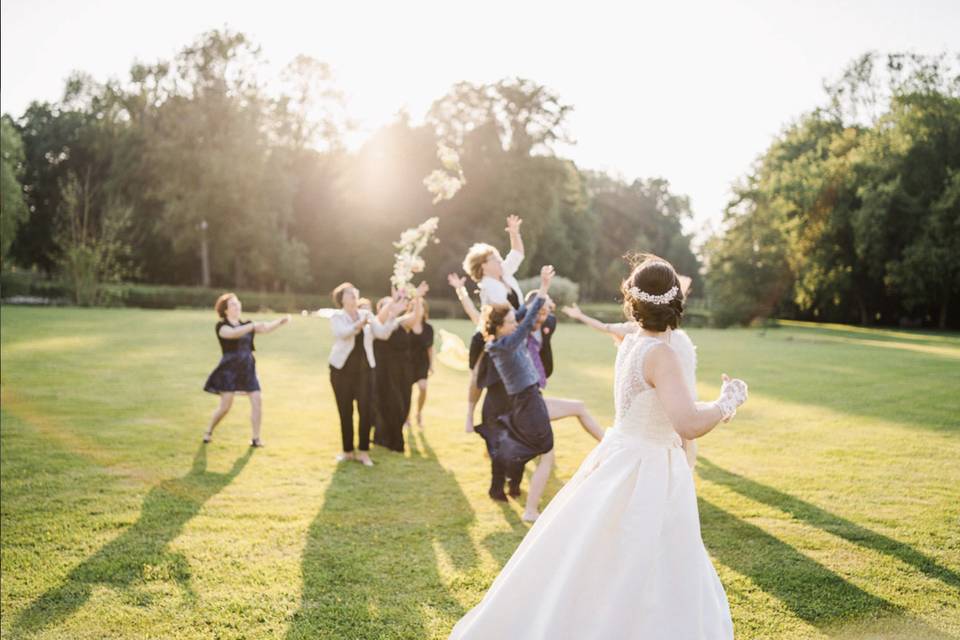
x,y
473,397
538,483
226,401
256,411
559,408
421,400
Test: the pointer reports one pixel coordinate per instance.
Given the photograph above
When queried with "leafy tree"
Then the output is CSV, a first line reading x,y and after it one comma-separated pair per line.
x,y
858,196
644,216
13,208
92,249
526,116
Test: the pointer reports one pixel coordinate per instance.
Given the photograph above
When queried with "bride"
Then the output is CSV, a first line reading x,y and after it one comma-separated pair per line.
x,y
618,553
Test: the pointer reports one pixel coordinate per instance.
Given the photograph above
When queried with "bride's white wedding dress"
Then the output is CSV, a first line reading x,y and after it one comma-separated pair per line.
x,y
617,553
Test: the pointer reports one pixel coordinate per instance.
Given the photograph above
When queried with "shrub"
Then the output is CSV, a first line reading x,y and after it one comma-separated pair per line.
x,y
562,290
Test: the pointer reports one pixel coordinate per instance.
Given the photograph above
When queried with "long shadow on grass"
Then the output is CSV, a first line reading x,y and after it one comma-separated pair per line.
x,y
864,378
127,560
503,544
372,555
817,517
813,592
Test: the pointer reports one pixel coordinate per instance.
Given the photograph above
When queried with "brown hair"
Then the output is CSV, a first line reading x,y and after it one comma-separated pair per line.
x,y
337,293
491,319
221,304
476,256
654,275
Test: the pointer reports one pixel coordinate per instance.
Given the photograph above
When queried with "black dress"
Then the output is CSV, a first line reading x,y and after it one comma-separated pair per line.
x,y
419,352
237,371
393,373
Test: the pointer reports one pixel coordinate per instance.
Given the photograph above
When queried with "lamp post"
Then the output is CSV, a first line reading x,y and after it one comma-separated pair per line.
x,y
204,255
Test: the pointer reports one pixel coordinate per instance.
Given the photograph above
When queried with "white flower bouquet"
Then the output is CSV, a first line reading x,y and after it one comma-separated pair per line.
x,y
407,260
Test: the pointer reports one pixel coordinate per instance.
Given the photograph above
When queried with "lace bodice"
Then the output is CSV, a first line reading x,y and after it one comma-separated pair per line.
x,y
638,410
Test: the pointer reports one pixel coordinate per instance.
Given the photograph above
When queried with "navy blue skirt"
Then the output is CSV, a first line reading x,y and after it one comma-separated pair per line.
x,y
236,373
522,434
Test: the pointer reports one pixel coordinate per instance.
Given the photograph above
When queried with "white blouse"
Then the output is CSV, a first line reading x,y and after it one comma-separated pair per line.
x,y
344,336
495,291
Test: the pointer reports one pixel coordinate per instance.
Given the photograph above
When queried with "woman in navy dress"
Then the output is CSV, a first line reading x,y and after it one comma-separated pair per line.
x,y
237,370
528,419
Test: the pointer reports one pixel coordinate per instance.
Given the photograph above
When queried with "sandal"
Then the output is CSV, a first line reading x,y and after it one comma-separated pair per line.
x,y
256,442
207,437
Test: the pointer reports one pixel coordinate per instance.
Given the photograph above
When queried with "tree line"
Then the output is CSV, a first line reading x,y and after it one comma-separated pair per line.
x,y
202,170
853,212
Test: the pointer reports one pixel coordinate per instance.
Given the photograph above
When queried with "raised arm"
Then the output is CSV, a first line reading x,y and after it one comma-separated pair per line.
x,y
513,229
663,369
343,327
619,329
519,335
267,327
417,314
459,286
385,323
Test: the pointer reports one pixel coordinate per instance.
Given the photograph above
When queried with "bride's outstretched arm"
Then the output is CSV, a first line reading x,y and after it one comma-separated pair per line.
x,y
662,368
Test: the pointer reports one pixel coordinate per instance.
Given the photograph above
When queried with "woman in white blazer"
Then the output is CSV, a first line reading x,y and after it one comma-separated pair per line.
x,y
351,364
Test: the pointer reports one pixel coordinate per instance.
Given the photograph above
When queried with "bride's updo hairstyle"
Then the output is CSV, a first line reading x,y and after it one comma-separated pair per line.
x,y
651,293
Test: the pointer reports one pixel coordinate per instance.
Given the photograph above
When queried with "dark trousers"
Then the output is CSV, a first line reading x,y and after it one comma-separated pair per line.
x,y
350,387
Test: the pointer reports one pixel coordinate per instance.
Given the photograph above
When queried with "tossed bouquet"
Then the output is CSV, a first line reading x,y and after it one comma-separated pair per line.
x,y
444,183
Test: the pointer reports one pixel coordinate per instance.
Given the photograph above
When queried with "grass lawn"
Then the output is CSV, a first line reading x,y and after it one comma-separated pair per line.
x,y
830,506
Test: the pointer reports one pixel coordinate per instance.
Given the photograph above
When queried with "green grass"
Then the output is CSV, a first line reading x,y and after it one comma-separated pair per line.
x,y
830,506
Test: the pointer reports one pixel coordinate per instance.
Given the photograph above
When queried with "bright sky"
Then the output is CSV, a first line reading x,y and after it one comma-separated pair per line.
x,y
691,91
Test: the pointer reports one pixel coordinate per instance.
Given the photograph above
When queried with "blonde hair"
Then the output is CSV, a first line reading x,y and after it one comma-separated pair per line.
x,y
476,256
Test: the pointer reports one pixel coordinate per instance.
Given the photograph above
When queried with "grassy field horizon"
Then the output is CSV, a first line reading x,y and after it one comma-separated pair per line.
x,y
830,505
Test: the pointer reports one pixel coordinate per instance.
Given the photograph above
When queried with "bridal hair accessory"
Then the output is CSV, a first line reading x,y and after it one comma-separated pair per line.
x,y
663,298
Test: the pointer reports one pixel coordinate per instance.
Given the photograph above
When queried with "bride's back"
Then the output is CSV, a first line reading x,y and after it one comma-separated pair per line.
x,y
639,413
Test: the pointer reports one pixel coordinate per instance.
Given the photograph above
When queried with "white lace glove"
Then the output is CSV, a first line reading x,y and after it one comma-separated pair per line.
x,y
733,393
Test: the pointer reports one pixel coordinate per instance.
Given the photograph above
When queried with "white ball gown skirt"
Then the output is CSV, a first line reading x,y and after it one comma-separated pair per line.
x,y
617,554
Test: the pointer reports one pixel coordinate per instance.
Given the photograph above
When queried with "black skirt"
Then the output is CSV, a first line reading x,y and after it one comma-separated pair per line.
x,y
523,433
393,392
